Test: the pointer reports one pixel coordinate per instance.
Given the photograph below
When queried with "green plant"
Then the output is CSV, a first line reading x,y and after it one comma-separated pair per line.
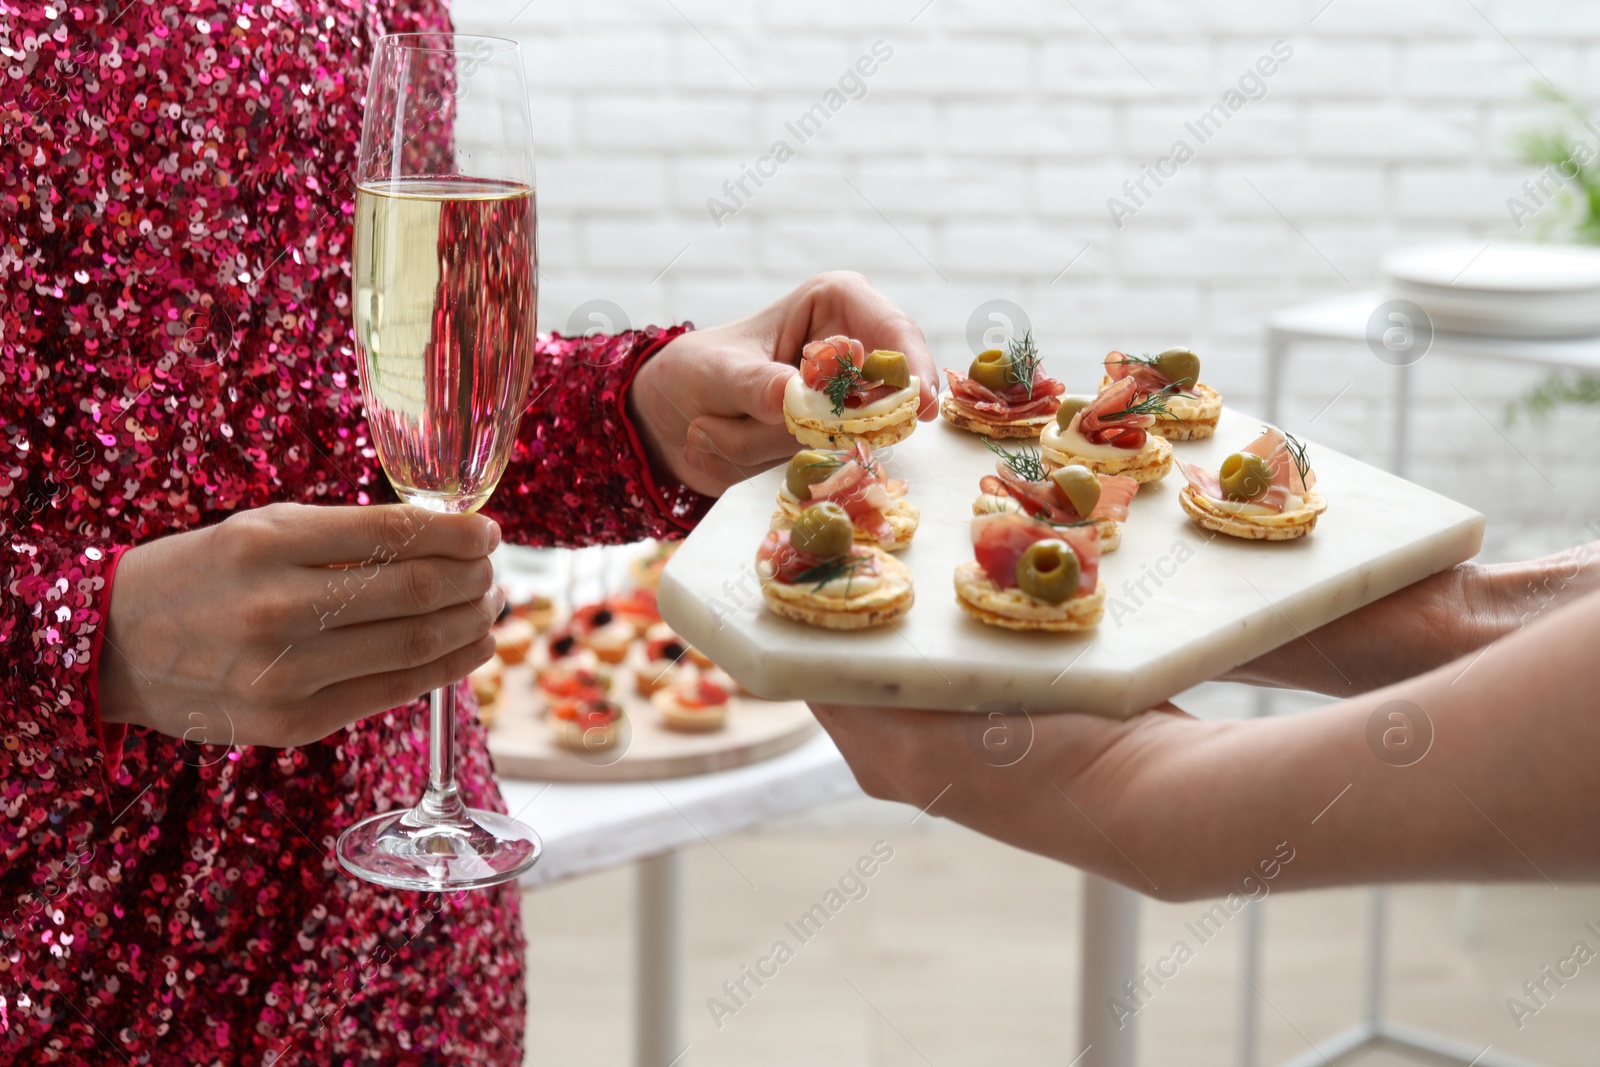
x,y
1570,146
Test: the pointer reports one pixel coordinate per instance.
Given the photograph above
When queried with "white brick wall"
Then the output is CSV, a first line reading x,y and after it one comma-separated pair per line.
x,y
991,141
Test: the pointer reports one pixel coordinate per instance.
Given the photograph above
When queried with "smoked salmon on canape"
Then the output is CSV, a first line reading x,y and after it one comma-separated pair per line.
x,y
858,483
845,394
591,725
1031,575
1023,484
815,573
1193,407
695,704
1264,493
1110,434
1003,393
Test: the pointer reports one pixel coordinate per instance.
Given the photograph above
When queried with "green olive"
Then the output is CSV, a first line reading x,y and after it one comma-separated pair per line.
x,y
992,369
823,530
1245,476
807,468
1048,571
1080,486
887,367
1179,365
1070,406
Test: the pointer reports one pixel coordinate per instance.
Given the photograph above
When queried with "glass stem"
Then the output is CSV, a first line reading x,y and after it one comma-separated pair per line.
x,y
442,803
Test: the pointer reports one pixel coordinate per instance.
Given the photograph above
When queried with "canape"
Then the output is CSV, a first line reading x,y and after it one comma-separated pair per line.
x,y
662,632
844,394
600,630
637,608
1192,407
646,570
815,573
513,637
537,609
666,662
1023,484
486,680
1003,393
1264,493
696,705
857,482
589,725
1032,576
1109,434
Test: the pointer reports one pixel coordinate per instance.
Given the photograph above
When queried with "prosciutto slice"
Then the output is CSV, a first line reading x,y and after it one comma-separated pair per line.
x,y
1000,540
1010,403
1148,378
820,362
1102,423
785,563
1273,447
861,487
1046,500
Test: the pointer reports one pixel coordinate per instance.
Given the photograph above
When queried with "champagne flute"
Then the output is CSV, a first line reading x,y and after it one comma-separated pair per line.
x,y
445,286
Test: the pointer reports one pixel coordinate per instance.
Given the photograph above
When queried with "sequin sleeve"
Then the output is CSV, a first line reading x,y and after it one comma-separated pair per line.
x,y
54,755
579,474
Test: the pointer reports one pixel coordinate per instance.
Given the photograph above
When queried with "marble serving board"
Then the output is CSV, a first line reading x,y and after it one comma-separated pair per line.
x,y
1183,604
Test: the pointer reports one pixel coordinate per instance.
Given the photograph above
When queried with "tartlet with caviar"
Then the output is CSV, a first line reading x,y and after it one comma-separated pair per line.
x,y
858,483
1032,576
1109,434
599,629
1192,406
844,394
1264,493
666,662
695,705
1003,393
1023,484
815,573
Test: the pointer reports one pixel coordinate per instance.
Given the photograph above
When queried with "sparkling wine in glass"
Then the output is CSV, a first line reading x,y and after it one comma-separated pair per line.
x,y
445,286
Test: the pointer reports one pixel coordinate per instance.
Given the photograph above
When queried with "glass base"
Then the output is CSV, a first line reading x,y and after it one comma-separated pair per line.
x,y
402,851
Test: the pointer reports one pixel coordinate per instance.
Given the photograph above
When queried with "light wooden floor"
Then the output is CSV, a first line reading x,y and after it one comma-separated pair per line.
x,y
965,952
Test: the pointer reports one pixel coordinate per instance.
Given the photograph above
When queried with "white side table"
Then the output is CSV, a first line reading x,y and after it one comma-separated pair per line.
x,y
589,828
1345,318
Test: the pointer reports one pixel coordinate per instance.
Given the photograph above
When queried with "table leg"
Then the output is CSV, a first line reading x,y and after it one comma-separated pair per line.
x,y
1277,356
1402,423
1110,958
658,961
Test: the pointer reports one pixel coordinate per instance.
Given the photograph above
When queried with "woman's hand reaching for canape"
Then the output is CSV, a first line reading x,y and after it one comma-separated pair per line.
x,y
709,405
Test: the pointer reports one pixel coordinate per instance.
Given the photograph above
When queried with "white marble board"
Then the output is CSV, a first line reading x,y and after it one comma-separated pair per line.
x,y
1183,604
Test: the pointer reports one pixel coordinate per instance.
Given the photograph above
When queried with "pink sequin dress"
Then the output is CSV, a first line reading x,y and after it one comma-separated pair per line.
x,y
174,301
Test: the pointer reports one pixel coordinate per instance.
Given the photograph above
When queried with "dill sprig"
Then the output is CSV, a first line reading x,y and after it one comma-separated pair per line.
x,y
1023,366
830,569
844,380
1153,404
1297,452
1147,359
1024,463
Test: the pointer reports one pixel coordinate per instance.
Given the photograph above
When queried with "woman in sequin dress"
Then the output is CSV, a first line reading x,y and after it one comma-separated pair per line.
x,y
178,383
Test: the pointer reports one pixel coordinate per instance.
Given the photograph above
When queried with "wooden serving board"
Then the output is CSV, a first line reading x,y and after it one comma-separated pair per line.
x,y
1183,604
523,746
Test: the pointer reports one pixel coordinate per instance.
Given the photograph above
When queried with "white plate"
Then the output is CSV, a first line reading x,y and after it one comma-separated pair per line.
x,y
1500,289
1183,605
